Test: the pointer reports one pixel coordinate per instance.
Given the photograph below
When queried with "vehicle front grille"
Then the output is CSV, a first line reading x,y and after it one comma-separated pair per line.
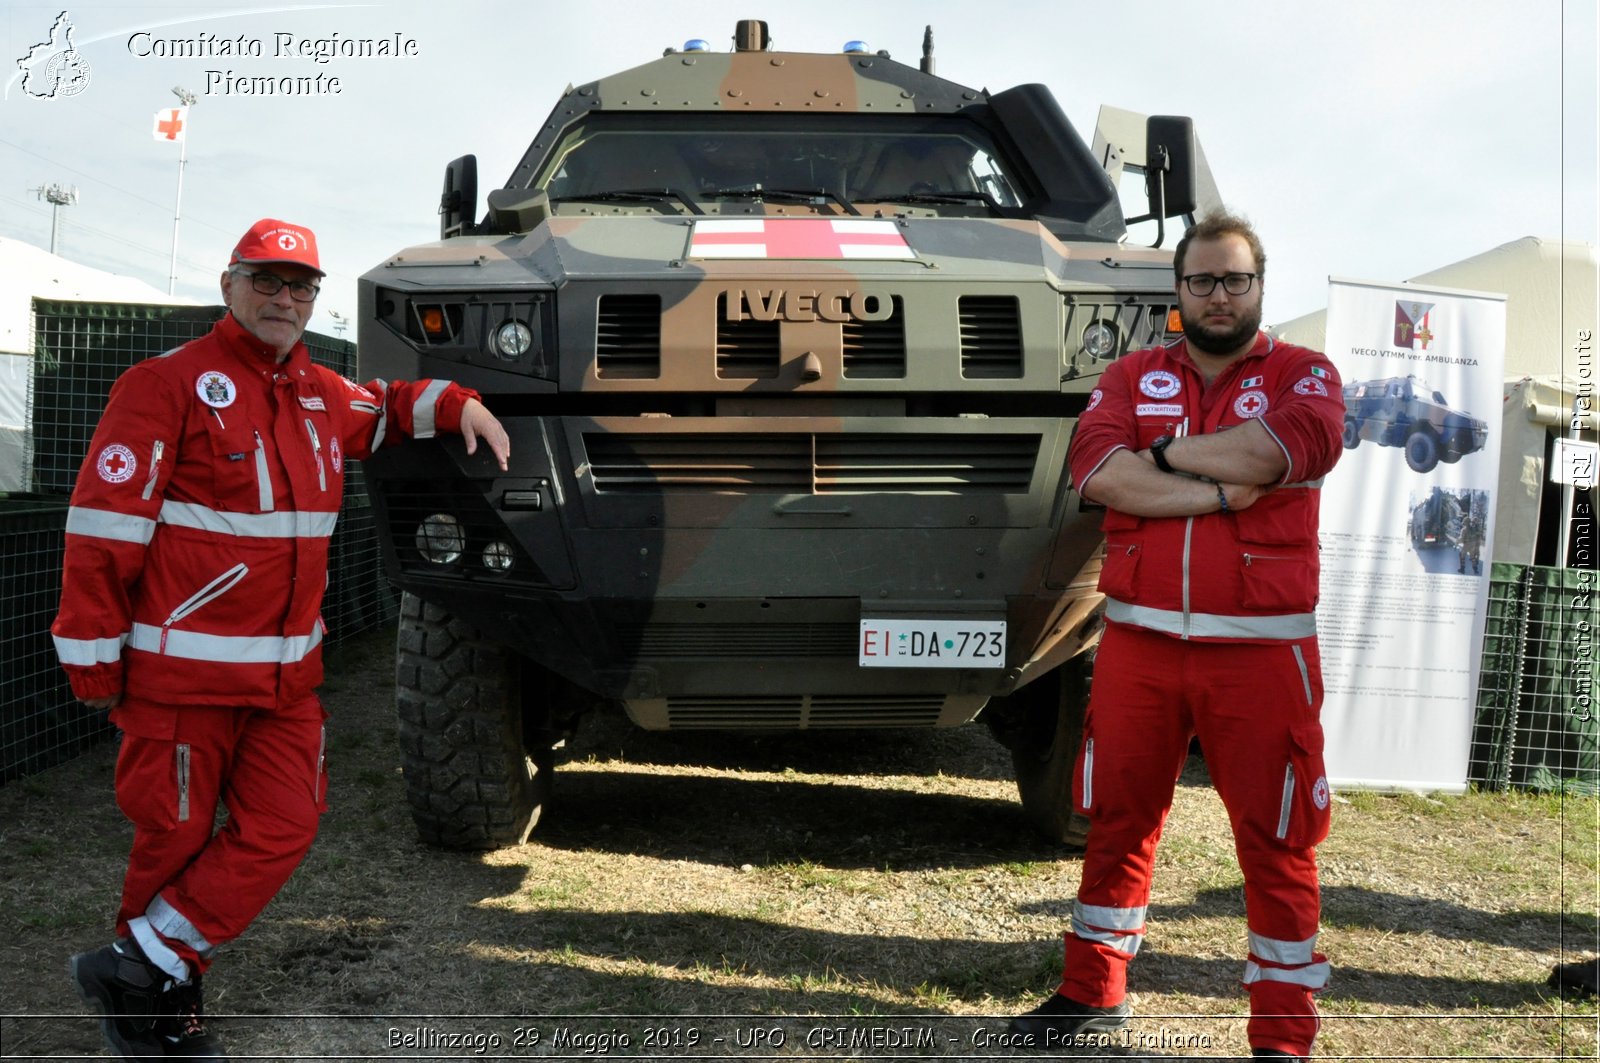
x,y
991,337
680,641
844,463
627,342
817,711
747,349
876,350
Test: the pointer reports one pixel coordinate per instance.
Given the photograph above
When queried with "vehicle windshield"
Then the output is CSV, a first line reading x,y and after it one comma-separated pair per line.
x,y
959,168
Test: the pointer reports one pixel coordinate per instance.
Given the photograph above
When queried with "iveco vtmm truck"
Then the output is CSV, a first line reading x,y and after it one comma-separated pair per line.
x,y
790,348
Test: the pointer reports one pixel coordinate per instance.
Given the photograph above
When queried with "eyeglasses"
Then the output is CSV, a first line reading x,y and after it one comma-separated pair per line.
x,y
272,284
1201,285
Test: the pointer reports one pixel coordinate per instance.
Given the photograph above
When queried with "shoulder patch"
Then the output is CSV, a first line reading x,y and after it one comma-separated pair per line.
x,y
116,464
1310,385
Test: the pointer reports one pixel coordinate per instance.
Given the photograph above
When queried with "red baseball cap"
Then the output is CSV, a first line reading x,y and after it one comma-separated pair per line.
x,y
271,240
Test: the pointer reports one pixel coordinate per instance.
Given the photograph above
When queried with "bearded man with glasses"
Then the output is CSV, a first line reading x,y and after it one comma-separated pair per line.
x,y
1207,454
196,559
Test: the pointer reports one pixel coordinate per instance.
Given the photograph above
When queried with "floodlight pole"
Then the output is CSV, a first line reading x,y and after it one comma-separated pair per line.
x,y
57,197
188,99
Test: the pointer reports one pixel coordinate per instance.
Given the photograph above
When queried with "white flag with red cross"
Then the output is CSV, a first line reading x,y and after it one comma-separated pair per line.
x,y
798,238
171,123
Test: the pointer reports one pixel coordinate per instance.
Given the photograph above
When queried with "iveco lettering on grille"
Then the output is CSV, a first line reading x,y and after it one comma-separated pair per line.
x,y
799,304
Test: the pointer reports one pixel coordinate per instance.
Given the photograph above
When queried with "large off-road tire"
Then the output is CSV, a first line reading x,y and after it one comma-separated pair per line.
x,y
1352,434
477,776
1422,451
1042,725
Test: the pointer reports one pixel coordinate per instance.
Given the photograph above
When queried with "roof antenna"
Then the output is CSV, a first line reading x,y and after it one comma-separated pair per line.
x,y
927,50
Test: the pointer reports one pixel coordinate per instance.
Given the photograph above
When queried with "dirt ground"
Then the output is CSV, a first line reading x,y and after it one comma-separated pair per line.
x,y
872,895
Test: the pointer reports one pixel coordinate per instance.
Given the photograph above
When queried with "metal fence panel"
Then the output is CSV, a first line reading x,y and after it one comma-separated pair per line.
x,y
1536,726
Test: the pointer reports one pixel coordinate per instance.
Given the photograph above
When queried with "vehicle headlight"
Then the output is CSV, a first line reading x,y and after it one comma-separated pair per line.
x,y
512,340
1099,340
441,539
497,557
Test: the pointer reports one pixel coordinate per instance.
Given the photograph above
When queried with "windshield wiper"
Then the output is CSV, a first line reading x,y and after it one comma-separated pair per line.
x,y
940,197
816,197
633,195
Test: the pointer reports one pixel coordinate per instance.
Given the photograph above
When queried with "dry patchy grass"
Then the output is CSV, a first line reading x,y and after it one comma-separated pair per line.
x,y
891,874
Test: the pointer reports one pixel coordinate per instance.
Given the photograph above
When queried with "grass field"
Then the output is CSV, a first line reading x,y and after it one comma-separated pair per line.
x,y
689,888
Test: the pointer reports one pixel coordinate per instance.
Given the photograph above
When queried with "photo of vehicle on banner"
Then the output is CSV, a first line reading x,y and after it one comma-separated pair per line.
x,y
1407,528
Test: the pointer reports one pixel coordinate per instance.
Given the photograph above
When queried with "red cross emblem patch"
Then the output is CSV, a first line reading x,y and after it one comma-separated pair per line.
x,y
1250,404
116,463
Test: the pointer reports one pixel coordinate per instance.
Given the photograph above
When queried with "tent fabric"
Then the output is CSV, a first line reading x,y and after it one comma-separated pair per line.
x,y
28,273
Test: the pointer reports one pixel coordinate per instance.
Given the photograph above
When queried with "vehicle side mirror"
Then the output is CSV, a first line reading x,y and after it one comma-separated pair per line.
x,y
1170,165
458,203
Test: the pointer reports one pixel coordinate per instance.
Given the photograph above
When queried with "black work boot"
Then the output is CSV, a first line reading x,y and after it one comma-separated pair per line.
x,y
1061,1022
183,1032
130,993
1275,1053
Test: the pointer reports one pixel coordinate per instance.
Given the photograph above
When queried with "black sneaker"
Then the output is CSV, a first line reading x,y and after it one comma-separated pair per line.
x,y
1275,1053
1062,1022
183,1032
129,992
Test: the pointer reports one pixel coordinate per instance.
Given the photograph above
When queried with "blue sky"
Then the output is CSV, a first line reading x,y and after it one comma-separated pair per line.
x,y
1365,139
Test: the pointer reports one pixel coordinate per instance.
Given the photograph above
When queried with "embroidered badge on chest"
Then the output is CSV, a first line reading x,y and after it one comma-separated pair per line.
x,y
336,453
116,463
312,402
216,390
1160,384
1250,404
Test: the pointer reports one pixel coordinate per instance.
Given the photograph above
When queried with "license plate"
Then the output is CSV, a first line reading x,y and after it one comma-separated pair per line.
x,y
907,643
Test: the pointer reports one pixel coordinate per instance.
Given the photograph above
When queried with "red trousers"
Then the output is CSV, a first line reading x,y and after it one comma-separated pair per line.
x,y
201,885
1256,709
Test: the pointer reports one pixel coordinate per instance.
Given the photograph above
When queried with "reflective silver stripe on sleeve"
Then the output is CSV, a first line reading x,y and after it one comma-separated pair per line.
x,y
1097,467
1312,976
226,649
1287,457
84,653
1288,953
382,411
1213,625
171,923
425,410
104,524
283,524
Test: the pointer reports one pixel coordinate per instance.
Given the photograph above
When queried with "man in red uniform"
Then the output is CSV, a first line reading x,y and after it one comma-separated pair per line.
x,y
1207,454
196,559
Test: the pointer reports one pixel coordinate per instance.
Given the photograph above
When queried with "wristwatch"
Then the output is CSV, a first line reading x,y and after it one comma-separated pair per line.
x,y
1158,451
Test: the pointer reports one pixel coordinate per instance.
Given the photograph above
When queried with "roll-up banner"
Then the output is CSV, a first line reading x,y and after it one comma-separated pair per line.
x,y
1407,530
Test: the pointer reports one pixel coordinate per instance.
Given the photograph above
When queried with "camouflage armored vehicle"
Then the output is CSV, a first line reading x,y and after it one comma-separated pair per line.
x,y
1402,411
1437,519
790,348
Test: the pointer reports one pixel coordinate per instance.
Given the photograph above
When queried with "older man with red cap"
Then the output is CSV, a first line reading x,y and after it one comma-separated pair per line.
x,y
196,558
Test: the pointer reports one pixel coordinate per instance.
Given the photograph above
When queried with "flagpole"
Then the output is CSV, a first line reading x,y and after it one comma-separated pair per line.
x,y
188,98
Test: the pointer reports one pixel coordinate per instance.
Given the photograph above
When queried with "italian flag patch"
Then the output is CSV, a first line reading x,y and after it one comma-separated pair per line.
x,y
1317,370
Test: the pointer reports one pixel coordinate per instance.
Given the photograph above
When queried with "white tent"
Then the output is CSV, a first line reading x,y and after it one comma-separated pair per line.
x,y
1550,296
28,273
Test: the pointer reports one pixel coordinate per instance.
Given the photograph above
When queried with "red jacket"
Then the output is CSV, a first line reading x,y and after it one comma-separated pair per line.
x,y
197,537
1244,576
